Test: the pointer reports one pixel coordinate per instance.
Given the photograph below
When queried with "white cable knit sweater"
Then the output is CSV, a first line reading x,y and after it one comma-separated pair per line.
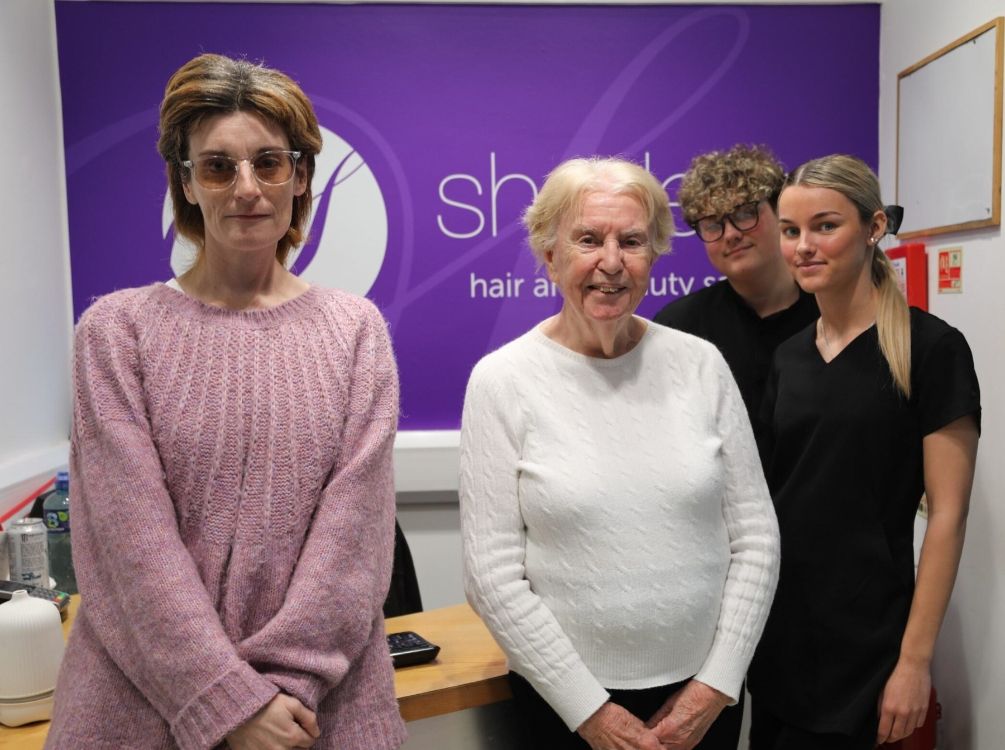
x,y
617,529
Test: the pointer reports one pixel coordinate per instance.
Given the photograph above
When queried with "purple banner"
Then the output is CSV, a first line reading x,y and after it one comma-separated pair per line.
x,y
440,123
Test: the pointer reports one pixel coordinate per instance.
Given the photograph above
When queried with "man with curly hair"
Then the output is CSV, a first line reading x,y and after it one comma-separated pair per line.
x,y
729,198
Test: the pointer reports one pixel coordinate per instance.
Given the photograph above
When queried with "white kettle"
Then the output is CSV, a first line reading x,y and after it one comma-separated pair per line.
x,y
31,649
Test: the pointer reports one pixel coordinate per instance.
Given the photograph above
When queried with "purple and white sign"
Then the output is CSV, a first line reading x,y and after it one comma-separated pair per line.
x,y
439,125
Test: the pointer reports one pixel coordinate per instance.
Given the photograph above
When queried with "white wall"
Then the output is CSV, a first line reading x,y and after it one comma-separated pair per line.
x,y
34,266
432,526
970,655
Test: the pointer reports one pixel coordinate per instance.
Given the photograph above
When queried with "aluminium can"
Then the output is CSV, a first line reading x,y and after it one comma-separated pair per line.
x,y
28,548
4,566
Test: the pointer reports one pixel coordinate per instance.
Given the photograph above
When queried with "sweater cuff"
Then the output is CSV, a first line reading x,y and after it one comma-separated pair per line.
x,y
575,697
724,671
221,708
306,688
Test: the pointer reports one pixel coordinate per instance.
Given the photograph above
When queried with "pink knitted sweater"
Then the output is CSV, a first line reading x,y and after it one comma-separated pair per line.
x,y
233,516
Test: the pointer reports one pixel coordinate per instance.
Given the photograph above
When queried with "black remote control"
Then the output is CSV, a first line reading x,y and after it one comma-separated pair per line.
x,y
408,648
59,598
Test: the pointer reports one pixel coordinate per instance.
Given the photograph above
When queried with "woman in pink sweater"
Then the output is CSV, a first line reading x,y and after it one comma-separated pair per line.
x,y
231,458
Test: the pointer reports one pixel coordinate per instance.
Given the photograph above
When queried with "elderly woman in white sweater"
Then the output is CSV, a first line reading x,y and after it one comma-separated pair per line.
x,y
619,540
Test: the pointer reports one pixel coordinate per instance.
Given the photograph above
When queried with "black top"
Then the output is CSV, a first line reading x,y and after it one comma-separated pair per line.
x,y
747,341
845,466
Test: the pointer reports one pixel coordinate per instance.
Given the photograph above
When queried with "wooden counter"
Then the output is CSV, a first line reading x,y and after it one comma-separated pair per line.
x,y
470,671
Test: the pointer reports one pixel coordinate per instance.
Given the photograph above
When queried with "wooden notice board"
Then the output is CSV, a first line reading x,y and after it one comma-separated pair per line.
x,y
949,136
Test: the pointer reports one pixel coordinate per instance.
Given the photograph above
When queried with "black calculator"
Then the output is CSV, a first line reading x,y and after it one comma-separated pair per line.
x,y
408,648
59,598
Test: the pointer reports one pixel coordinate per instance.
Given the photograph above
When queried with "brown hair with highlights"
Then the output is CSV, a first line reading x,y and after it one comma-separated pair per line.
x,y
211,85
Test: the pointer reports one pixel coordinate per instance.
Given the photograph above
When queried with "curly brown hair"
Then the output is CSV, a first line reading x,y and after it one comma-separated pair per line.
x,y
210,85
719,180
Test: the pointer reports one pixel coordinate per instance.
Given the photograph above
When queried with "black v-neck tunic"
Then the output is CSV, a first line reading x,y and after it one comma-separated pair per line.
x,y
747,342
843,459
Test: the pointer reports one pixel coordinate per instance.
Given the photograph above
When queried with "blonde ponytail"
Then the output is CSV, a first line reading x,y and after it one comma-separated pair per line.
x,y
893,321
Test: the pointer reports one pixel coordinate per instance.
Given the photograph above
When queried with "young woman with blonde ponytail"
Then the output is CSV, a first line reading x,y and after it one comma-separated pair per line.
x,y
866,410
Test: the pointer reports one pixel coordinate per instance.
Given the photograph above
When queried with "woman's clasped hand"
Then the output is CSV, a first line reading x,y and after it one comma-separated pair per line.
x,y
284,723
679,724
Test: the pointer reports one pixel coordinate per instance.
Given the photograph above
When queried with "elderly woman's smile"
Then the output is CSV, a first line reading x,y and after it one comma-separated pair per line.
x,y
601,260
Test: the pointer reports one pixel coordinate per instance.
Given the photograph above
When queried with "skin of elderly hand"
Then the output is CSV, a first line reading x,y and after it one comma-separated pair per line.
x,y
683,720
283,724
612,727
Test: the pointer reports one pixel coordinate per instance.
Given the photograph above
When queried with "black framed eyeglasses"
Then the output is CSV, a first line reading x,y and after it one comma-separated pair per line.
x,y
218,172
744,218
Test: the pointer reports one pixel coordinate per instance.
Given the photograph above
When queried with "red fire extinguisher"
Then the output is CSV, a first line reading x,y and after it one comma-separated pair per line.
x,y
924,736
